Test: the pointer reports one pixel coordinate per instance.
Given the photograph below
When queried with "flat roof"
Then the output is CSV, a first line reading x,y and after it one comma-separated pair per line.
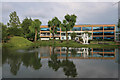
x,y
85,25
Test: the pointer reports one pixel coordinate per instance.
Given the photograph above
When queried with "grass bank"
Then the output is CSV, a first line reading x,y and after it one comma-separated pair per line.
x,y
17,42
74,44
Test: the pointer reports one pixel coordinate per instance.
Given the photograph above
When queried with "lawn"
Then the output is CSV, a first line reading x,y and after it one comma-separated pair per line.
x,y
75,44
20,42
109,42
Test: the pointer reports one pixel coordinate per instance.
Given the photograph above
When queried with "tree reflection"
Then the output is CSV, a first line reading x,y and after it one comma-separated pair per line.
x,y
69,67
32,60
54,63
14,59
73,52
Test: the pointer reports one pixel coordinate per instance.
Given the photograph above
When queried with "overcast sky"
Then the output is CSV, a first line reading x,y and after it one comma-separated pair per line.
x,y
86,12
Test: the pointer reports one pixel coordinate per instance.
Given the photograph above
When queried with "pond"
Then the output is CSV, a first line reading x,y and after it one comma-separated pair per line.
x,y
60,62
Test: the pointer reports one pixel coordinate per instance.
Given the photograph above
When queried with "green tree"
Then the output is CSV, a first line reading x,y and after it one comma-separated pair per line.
x,y
73,35
54,24
119,23
14,25
68,23
14,20
14,31
4,31
25,26
35,27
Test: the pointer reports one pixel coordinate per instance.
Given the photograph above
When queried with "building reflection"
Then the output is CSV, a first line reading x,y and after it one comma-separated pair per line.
x,y
80,53
58,57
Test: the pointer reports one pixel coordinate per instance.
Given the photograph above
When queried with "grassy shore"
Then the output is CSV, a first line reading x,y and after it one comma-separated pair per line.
x,y
17,42
22,43
75,44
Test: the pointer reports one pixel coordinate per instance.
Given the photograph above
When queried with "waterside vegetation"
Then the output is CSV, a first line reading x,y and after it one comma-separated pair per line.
x,y
17,42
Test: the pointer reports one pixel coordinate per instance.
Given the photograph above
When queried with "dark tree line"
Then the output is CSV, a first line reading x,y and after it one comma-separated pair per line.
x,y
27,29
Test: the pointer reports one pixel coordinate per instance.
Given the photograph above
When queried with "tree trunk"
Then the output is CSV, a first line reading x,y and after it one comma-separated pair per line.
x,y
66,36
53,38
67,53
35,34
53,34
53,49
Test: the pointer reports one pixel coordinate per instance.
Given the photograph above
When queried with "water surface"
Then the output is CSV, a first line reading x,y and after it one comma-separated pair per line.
x,y
60,62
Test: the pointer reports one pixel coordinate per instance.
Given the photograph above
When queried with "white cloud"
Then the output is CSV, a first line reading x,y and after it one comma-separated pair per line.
x,y
59,0
87,13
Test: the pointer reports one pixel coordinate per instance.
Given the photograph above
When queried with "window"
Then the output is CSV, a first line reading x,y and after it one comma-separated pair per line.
x,y
86,28
68,37
78,33
109,55
98,38
108,50
109,38
108,33
62,34
109,28
97,50
45,29
76,29
97,28
97,33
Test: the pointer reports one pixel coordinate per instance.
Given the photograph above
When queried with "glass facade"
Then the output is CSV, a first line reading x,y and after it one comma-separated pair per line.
x,y
109,38
109,50
109,55
108,33
109,28
97,33
45,29
97,28
76,29
97,38
97,50
86,28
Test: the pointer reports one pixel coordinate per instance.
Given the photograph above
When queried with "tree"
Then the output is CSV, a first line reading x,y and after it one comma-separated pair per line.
x,y
14,31
14,25
14,20
54,24
119,23
73,35
4,31
25,26
68,23
35,27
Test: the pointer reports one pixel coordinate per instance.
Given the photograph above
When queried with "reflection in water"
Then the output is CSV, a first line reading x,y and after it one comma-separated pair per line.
x,y
58,57
16,59
83,53
68,66
54,63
